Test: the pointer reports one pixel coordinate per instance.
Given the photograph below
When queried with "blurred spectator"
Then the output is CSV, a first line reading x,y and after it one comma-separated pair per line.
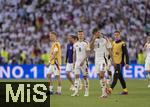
x,y
22,57
4,55
45,58
24,24
141,59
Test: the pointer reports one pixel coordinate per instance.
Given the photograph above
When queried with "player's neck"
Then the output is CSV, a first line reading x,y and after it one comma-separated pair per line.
x,y
119,39
53,41
80,40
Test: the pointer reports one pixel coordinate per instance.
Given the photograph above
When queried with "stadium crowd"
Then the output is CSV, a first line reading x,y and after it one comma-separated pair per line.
x,y
25,25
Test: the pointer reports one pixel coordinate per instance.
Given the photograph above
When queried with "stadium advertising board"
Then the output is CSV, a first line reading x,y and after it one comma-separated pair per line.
x,y
40,71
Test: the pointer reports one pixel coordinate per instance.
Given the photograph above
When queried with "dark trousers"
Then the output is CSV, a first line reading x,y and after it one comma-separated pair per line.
x,y
118,75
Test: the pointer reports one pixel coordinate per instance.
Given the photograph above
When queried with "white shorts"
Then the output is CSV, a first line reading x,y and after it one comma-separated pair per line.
x,y
100,66
83,69
69,67
147,65
54,69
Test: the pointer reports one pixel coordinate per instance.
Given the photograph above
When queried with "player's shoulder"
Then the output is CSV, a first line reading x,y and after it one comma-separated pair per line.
x,y
57,43
104,39
86,42
123,43
75,44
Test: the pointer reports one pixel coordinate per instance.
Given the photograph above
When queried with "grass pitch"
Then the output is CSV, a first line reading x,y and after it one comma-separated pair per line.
x,y
139,96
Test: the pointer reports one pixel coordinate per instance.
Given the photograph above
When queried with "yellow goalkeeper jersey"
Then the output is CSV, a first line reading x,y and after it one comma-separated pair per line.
x,y
117,51
56,47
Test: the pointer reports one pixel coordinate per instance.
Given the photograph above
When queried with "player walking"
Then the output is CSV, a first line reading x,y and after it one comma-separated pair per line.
x,y
69,58
81,52
120,58
55,62
100,46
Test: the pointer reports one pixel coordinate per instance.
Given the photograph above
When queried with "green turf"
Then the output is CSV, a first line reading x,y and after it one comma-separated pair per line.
x,y
139,96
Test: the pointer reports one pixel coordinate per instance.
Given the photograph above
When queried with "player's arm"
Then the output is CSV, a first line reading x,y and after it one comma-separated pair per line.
x,y
74,56
110,53
92,43
109,49
66,55
125,53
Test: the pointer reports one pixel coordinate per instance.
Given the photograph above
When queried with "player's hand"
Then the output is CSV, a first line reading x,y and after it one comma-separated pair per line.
x,y
127,66
51,60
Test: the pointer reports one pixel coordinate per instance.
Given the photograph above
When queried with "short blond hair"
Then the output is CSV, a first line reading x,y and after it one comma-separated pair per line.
x,y
54,33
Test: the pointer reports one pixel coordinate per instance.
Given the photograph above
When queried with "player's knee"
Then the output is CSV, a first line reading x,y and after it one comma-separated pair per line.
x,y
58,78
68,74
49,76
77,76
84,77
101,76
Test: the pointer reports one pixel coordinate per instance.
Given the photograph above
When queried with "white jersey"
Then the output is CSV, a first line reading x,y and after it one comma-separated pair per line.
x,y
80,48
100,48
148,51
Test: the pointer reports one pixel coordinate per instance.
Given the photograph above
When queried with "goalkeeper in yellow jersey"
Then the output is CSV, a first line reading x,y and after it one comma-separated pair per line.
x,y
120,59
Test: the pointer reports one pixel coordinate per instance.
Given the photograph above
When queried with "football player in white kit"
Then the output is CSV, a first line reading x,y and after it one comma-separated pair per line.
x,y
147,60
81,52
100,46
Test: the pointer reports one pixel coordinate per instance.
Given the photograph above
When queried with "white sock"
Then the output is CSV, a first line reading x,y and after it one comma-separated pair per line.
x,y
59,89
103,86
76,84
50,88
86,84
80,81
148,77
